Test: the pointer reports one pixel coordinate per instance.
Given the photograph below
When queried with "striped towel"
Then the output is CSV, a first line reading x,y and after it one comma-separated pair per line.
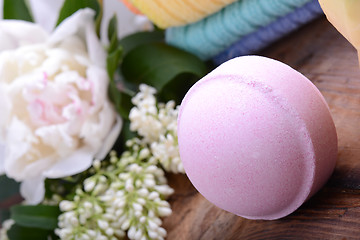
x,y
221,30
266,35
169,13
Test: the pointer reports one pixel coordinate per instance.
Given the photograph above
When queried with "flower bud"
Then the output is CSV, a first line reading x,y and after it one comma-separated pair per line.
x,y
102,224
66,206
137,207
109,232
164,211
143,192
152,234
89,184
119,233
153,195
161,231
132,232
125,225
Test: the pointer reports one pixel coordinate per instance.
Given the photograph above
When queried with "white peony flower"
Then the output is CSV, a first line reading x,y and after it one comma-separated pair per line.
x,y
55,113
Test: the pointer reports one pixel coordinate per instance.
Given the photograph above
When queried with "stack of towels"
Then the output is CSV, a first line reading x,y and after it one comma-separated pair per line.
x,y
224,29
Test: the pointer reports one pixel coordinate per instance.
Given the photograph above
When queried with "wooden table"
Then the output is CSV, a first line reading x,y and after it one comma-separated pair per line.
x,y
325,57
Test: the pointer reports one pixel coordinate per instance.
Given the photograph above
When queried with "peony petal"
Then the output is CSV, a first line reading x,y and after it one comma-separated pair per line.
x,y
58,138
95,49
46,12
99,80
77,162
18,33
75,25
7,41
5,106
98,125
33,190
110,139
35,168
72,25
17,145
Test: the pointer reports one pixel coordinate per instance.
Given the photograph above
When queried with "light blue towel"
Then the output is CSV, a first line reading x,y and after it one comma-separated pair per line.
x,y
212,35
263,37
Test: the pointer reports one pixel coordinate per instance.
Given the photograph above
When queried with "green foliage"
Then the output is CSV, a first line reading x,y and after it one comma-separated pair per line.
x,y
98,19
38,216
121,99
135,40
114,50
18,232
70,7
157,64
9,193
9,187
147,59
16,9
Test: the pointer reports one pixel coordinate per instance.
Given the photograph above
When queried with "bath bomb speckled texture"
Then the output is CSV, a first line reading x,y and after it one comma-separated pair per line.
x,y
256,138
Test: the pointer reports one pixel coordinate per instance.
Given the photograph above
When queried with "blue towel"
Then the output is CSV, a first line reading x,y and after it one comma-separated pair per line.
x,y
215,33
263,37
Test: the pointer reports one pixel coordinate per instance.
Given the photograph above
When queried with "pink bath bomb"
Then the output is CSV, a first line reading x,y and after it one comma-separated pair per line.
x,y
256,138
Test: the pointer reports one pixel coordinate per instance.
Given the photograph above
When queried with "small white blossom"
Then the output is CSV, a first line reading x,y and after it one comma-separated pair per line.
x,y
128,195
6,227
132,202
157,125
66,206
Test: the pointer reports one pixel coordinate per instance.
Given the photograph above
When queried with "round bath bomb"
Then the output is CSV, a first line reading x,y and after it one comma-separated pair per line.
x,y
256,138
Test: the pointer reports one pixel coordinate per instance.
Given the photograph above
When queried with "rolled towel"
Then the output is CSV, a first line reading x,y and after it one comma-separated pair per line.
x,y
344,15
169,13
268,34
215,33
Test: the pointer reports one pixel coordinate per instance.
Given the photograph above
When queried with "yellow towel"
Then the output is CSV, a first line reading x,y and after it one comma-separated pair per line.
x,y
169,13
345,16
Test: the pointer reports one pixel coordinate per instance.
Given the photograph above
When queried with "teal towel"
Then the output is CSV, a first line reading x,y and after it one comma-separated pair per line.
x,y
268,34
212,35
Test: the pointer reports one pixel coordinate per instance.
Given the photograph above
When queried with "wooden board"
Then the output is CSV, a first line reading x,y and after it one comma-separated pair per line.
x,y
325,57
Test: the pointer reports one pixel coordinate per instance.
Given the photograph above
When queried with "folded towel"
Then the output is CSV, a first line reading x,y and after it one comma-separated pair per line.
x,y
345,17
263,37
215,33
168,13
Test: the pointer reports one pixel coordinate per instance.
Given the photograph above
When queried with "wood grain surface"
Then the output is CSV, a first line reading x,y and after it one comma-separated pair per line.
x,y
325,57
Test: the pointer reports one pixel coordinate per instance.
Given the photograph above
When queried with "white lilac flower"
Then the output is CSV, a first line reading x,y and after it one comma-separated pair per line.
x,y
6,225
156,123
127,195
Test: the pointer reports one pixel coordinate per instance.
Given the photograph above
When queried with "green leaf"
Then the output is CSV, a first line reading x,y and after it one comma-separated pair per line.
x,y
39,216
18,232
157,64
126,133
121,100
16,9
115,96
113,61
115,49
137,39
177,88
112,29
98,19
9,194
71,6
